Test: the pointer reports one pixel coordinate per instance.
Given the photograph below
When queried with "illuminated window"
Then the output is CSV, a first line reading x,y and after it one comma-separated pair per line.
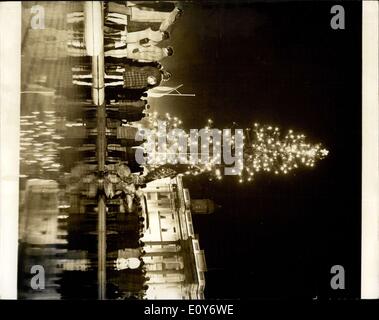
x,y
163,195
172,265
154,267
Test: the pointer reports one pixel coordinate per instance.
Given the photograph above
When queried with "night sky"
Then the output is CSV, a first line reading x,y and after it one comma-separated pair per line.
x,y
283,65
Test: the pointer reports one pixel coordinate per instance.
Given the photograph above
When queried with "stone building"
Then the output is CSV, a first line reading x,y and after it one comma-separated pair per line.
x,y
174,261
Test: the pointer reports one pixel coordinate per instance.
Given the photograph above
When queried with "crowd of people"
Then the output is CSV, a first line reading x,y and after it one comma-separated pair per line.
x,y
126,270
136,36
136,43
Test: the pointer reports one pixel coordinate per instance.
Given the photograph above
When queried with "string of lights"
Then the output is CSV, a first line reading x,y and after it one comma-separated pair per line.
x,y
265,149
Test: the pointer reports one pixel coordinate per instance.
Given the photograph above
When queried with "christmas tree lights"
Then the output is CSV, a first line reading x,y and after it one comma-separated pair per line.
x,y
256,150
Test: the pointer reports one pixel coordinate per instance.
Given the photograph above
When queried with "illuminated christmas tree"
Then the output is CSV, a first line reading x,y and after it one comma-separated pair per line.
x,y
267,150
256,150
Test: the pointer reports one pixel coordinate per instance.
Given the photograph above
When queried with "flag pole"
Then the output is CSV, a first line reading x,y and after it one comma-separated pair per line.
x,y
181,94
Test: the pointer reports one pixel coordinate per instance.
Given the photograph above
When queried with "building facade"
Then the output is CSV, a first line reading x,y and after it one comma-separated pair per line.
x,y
39,221
174,261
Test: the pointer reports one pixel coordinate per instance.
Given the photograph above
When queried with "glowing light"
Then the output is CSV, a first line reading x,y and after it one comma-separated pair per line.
x,y
265,150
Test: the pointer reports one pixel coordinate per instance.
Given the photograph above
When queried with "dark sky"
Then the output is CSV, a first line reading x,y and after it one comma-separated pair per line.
x,y
280,64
